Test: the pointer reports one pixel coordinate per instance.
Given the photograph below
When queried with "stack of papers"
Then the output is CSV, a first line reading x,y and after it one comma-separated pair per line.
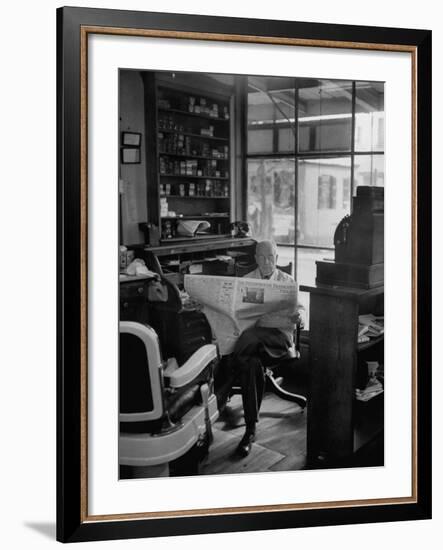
x,y
189,228
362,330
372,389
224,258
370,326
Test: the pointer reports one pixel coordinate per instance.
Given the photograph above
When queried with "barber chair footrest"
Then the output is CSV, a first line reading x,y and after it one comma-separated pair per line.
x,y
151,449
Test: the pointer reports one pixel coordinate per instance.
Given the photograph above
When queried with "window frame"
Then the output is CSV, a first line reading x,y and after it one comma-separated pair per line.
x,y
297,156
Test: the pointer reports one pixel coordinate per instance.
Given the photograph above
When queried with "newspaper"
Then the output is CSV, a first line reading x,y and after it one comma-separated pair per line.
x,y
233,304
189,228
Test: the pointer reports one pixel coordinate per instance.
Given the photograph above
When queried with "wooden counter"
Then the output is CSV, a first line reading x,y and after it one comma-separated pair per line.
x,y
334,353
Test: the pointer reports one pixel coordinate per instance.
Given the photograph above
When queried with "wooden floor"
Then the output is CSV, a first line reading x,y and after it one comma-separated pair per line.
x,y
280,443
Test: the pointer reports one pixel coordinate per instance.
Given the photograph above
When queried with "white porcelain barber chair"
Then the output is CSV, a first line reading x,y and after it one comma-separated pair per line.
x,y
165,408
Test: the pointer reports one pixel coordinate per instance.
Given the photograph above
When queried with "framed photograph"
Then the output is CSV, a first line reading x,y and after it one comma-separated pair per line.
x,y
131,139
191,401
130,155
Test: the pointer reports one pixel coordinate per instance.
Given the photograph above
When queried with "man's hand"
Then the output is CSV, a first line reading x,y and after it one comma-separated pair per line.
x,y
298,318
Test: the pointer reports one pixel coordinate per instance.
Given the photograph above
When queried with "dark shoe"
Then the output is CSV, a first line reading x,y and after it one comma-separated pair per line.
x,y
245,445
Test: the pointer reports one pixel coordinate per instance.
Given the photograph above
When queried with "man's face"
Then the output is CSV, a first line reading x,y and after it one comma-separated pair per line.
x,y
266,258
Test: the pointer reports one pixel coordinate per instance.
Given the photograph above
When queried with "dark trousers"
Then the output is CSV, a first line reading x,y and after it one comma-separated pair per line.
x,y
256,348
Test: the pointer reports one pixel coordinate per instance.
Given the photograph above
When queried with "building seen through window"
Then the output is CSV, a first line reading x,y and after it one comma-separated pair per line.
x,y
310,144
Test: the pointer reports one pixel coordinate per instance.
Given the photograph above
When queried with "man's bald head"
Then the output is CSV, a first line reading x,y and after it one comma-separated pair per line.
x,y
266,247
266,257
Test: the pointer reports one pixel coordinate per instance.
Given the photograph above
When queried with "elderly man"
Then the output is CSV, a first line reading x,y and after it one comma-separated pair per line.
x,y
260,345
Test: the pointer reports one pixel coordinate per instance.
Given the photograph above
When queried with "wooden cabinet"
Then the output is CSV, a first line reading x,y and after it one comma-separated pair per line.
x,y
188,156
338,424
224,256
188,145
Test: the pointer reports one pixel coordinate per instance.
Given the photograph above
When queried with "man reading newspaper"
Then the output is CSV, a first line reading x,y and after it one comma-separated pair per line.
x,y
264,342
253,319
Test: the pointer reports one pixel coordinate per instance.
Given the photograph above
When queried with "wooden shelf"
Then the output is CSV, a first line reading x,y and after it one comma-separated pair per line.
x,y
368,420
185,156
224,178
169,248
196,238
196,217
197,115
164,157
372,342
190,134
375,398
335,430
194,197
343,291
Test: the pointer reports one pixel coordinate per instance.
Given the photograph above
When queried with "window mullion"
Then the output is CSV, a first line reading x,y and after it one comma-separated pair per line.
x,y
351,187
296,106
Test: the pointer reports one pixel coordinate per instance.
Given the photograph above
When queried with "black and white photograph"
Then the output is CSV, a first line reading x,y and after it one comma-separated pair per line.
x,y
219,321
251,274
225,239
253,295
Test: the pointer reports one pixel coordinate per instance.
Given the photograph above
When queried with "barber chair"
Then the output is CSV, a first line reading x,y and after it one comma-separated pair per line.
x,y
167,407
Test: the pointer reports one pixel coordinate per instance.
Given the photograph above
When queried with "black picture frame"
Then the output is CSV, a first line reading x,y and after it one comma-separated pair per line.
x,y
73,521
130,155
131,139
